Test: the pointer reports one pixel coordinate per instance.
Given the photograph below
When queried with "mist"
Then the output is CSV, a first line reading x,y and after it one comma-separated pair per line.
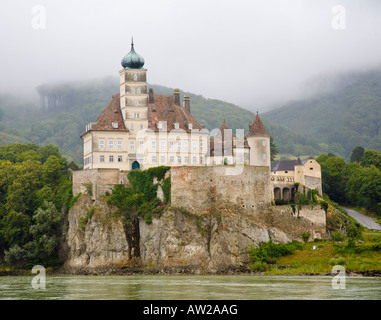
x,y
257,54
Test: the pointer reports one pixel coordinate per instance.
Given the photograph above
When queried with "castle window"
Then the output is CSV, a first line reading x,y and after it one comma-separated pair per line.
x,y
132,127
171,159
186,145
141,127
120,144
115,125
138,91
153,159
159,126
190,126
153,145
101,144
141,144
247,156
171,145
111,158
178,159
102,158
136,115
201,146
162,145
311,168
176,126
286,172
186,160
201,160
136,103
111,144
133,91
120,159
162,159
194,146
132,145
264,156
135,77
264,143
178,145
194,160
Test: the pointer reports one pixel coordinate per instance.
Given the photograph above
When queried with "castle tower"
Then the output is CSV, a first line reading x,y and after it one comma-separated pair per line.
x,y
133,92
259,142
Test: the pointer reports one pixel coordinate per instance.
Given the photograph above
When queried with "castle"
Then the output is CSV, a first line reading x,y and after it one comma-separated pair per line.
x,y
140,130
222,186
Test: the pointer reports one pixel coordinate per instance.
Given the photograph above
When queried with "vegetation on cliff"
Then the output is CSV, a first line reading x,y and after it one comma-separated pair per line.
x,y
35,192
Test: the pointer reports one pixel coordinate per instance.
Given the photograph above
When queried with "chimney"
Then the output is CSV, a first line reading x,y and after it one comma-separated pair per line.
x,y
150,95
187,103
176,93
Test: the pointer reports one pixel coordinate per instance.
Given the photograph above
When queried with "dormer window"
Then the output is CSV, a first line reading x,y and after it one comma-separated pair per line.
x,y
160,125
176,126
115,125
190,126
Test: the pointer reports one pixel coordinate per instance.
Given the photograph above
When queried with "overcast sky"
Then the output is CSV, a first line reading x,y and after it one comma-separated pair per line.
x,y
249,52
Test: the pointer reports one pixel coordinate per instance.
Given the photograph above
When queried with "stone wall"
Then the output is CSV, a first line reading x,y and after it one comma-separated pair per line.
x,y
102,180
204,190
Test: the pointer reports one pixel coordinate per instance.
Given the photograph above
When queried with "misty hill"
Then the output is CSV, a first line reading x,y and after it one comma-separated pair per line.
x,y
349,116
64,110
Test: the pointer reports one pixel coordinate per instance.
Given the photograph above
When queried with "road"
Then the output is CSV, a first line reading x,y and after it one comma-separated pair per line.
x,y
364,220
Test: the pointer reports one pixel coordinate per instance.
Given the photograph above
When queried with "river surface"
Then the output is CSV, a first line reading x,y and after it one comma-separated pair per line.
x,y
190,287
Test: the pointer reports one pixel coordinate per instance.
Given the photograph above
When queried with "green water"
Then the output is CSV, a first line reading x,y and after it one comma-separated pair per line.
x,y
190,288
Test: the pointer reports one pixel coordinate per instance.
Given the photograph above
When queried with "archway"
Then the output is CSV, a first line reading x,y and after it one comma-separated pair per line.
x,y
286,194
135,165
277,194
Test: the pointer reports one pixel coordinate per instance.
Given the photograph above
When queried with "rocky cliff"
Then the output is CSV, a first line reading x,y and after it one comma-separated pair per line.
x,y
212,219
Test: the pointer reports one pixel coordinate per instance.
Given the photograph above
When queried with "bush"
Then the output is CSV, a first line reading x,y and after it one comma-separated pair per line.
x,y
269,252
306,236
337,236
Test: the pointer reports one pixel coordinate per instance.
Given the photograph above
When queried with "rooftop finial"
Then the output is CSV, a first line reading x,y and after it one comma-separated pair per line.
x,y
132,41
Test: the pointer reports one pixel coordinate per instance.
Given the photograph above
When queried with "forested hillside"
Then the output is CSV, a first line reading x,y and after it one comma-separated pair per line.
x,y
349,116
74,105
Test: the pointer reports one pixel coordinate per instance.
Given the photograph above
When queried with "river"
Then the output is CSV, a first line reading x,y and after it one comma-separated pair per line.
x,y
190,287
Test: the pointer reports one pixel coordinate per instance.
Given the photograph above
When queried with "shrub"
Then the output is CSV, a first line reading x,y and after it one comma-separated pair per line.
x,y
306,236
337,236
269,252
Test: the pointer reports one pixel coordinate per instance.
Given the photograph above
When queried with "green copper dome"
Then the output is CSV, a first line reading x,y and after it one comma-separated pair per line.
x,y
132,60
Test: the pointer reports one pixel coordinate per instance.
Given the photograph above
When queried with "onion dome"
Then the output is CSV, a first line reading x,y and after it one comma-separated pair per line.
x,y
132,60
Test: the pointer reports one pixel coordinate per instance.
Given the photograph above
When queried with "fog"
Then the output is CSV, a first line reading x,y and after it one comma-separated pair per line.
x,y
256,54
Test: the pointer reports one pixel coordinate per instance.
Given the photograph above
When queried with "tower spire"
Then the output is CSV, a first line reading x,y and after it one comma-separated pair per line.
x,y
132,42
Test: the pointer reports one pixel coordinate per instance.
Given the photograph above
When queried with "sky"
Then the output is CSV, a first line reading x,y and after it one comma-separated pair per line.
x,y
256,54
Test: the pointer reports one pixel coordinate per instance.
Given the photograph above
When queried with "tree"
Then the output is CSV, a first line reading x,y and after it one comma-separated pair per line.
x,y
273,149
371,157
357,154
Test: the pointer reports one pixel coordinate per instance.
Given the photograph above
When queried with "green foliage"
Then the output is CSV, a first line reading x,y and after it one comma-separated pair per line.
x,y
337,236
34,185
140,198
268,252
357,154
89,188
166,187
371,157
82,222
305,236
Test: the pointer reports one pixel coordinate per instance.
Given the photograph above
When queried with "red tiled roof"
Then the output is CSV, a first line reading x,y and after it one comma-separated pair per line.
x,y
110,114
164,109
257,128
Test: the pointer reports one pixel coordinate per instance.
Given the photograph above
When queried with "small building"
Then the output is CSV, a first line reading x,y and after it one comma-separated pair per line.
x,y
288,175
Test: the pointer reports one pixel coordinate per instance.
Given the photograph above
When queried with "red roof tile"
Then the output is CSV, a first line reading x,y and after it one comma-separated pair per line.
x,y
110,114
257,128
164,109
